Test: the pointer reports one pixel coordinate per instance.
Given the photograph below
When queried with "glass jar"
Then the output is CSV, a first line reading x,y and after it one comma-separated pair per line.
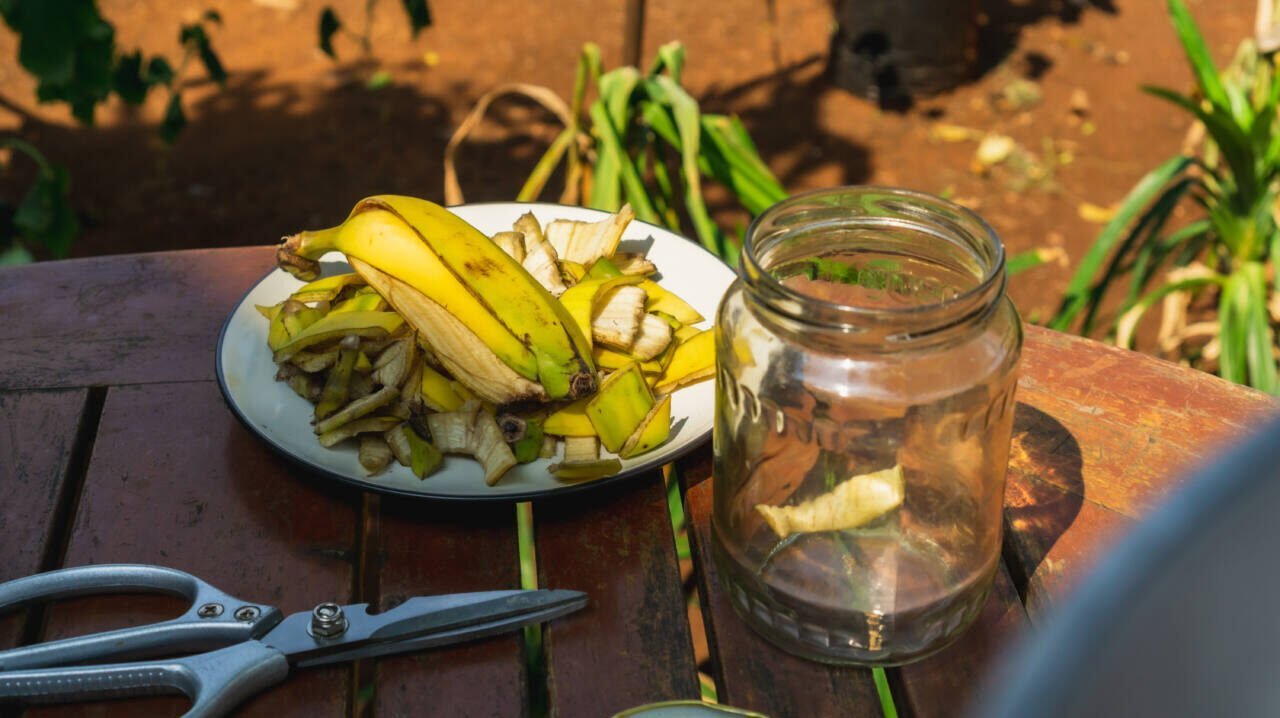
x,y
866,366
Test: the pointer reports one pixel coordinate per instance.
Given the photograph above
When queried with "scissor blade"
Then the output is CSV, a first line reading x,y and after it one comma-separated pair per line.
x,y
420,623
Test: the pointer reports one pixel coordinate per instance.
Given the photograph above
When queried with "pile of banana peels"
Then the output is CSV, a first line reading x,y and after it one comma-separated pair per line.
x,y
445,341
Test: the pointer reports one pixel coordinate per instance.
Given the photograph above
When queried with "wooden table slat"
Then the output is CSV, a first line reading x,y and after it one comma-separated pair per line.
x,y
751,672
433,548
37,432
175,480
140,318
631,645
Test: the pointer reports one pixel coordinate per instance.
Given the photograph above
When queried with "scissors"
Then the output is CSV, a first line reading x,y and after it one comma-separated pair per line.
x,y
246,646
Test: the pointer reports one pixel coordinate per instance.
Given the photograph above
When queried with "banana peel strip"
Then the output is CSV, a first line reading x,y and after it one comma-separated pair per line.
x,y
854,502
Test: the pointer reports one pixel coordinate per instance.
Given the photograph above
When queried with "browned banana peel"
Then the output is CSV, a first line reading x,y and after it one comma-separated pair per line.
x,y
358,408
288,259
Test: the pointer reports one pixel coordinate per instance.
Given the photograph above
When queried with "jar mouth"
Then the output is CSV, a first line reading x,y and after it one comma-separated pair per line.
x,y
905,221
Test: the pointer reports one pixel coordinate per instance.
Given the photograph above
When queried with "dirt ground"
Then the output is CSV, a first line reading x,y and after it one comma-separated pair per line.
x,y
295,138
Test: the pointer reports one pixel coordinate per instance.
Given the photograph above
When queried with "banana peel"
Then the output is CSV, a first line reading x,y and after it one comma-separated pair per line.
x,y
652,432
585,242
540,258
467,359
616,315
581,299
651,339
333,327
693,360
326,289
582,461
570,420
562,354
438,391
669,303
620,406
854,502
471,430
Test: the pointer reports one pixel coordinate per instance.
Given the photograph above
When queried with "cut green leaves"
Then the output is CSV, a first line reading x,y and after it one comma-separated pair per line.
x,y
645,141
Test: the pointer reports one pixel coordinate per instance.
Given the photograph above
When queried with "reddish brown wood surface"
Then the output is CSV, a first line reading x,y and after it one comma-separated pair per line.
x,y
37,432
120,320
1102,435
174,480
1138,423
430,548
750,672
631,645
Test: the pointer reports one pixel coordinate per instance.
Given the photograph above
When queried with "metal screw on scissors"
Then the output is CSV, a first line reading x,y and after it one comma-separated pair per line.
x,y
244,652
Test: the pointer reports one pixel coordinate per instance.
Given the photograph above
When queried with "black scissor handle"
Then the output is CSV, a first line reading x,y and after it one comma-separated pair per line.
x,y
213,620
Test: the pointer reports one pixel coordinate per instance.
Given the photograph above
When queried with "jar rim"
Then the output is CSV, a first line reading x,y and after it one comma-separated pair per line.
x,y
988,287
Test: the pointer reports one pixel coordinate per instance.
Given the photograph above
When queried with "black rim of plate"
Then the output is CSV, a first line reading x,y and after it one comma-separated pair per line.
x,y
369,484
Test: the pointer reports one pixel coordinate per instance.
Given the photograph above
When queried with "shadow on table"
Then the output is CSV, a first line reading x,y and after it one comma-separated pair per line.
x,y
1044,490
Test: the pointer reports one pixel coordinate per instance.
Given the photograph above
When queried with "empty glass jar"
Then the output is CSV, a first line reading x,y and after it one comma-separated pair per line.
x,y
866,367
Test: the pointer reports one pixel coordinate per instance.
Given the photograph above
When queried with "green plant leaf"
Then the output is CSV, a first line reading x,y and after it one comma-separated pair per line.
x,y
1232,311
1078,294
174,119
684,108
1145,238
1153,253
1259,341
68,47
1197,54
610,116
623,170
670,57
1228,136
329,26
419,15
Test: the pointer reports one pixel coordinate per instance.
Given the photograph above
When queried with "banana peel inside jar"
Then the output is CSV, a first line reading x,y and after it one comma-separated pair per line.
x,y
852,503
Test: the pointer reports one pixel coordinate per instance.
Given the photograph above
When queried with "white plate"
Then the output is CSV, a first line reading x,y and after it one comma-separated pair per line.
x,y
270,409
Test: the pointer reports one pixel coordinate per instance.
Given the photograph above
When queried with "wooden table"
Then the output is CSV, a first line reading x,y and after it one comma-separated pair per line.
x,y
116,446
